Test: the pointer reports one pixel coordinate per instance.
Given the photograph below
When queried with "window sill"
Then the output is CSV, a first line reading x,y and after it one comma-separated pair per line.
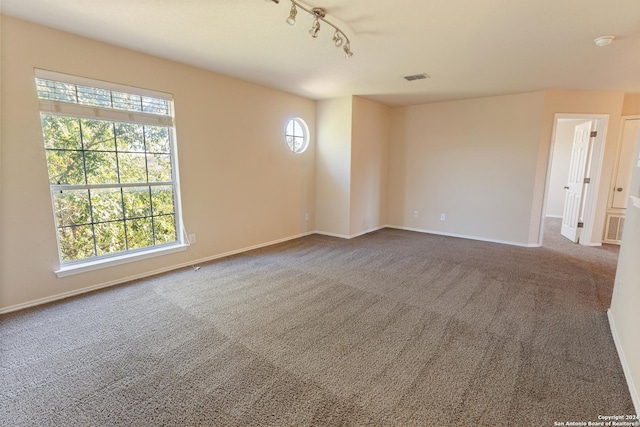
x,y
84,267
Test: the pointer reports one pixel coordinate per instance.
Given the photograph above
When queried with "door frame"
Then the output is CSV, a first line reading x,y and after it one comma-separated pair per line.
x,y
601,125
616,165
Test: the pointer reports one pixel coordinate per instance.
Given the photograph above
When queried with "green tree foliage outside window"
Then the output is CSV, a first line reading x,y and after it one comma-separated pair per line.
x,y
112,183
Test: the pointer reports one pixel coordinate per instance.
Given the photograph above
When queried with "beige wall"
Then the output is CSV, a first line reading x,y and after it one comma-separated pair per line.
x,y
626,294
560,166
578,102
477,162
241,186
473,160
351,166
333,166
631,105
369,160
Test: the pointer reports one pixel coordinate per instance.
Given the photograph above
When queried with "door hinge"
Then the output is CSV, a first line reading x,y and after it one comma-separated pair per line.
x,y
587,180
594,133
581,225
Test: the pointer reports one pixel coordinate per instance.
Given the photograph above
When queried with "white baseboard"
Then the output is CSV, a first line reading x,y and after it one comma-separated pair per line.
x,y
623,361
462,236
350,236
64,295
326,233
371,230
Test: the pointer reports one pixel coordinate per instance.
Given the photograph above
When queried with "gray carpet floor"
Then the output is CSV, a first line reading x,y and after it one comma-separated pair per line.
x,y
392,328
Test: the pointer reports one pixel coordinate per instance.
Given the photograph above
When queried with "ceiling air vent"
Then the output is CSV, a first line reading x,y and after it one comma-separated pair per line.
x,y
420,76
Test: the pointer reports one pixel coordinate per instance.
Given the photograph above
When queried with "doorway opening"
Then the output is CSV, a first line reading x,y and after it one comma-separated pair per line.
x,y
573,176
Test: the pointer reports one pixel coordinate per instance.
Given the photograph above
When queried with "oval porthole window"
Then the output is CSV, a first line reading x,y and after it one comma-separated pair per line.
x,y
297,135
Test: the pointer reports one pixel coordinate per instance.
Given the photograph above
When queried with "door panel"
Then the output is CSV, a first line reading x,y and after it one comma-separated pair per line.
x,y
575,181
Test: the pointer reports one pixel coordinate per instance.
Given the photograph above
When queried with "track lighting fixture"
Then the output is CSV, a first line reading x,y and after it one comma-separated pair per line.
x,y
339,38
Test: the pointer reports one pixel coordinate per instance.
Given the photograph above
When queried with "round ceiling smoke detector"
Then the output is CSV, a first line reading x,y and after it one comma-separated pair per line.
x,y
604,40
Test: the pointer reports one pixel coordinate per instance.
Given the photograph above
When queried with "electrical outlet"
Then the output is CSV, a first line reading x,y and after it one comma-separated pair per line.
x,y
415,214
306,216
443,217
192,238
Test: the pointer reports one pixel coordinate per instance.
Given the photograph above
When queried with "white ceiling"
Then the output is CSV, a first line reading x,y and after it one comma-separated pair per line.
x,y
470,48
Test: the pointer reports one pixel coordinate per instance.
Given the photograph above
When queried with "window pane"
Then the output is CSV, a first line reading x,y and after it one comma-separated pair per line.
x,y
164,229
101,167
61,132
97,135
94,96
296,144
157,139
56,91
110,237
76,243
106,204
127,101
155,105
72,207
297,129
133,167
139,233
129,137
159,167
65,167
162,198
137,202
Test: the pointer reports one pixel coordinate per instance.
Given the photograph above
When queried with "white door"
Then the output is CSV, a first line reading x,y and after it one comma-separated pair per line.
x,y
625,163
574,190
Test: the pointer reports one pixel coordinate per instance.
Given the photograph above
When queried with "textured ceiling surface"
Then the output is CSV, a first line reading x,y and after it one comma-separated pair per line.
x,y
469,48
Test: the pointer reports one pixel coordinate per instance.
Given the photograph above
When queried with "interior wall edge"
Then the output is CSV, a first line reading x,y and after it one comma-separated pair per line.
x,y
633,391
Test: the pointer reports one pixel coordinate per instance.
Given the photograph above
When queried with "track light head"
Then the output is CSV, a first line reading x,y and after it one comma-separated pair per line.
x,y
347,51
337,39
291,20
319,13
315,28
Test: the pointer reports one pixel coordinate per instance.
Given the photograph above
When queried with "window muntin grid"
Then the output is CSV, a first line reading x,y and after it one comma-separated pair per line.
x,y
92,96
113,183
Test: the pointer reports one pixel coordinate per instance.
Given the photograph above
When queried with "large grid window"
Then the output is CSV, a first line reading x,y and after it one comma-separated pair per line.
x,y
112,169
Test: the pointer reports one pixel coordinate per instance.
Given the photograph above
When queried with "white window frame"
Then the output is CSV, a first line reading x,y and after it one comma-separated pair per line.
x,y
108,114
306,138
